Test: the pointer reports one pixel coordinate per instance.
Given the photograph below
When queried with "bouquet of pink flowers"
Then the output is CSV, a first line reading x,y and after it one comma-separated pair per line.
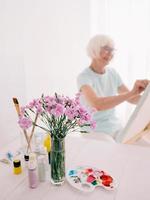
x,y
58,115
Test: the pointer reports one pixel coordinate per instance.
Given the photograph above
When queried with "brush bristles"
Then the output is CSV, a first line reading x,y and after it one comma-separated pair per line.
x,y
16,103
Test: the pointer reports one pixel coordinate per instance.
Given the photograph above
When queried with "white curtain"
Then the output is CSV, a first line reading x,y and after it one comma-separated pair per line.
x,y
128,23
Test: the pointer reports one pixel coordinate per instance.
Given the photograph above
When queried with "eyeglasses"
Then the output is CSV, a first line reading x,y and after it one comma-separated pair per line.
x,y
108,49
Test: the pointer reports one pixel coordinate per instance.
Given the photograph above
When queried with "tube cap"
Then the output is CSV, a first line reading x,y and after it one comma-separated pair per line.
x,y
26,157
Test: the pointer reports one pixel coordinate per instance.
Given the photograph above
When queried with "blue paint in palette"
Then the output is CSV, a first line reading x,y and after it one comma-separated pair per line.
x,y
72,172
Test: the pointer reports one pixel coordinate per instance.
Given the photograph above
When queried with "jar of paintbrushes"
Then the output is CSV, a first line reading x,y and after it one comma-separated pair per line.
x,y
27,145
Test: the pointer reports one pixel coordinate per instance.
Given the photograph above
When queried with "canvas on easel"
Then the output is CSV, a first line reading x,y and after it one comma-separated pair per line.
x,y
139,123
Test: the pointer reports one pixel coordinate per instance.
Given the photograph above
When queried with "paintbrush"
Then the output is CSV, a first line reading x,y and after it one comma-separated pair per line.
x,y
32,131
33,128
16,103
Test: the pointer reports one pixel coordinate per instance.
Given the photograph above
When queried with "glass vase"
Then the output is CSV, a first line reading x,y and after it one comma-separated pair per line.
x,y
57,161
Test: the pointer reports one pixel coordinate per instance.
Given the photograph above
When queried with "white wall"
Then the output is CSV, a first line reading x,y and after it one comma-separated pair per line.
x,y
42,49
55,36
12,76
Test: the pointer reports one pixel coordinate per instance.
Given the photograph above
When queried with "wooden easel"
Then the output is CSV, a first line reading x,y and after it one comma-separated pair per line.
x,y
139,135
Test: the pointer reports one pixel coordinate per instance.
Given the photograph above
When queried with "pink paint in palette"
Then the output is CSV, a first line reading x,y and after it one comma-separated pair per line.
x,y
87,179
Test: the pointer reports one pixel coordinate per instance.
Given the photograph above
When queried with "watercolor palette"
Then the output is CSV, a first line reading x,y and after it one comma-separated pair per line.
x,y
87,178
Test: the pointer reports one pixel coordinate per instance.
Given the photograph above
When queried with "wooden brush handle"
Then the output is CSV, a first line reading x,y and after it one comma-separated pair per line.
x,y
32,131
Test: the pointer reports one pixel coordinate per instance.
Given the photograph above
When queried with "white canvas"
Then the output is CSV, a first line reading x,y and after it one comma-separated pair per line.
x,y
139,118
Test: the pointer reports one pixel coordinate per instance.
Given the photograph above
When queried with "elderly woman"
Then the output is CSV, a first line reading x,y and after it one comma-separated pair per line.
x,y
102,88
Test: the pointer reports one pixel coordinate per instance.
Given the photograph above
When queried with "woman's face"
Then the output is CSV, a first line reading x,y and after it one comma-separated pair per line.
x,y
106,54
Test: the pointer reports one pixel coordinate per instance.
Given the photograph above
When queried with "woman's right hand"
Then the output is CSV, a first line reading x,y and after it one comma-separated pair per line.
x,y
139,86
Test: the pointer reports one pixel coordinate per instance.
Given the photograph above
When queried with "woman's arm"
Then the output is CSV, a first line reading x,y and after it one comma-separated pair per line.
x,y
123,89
103,103
139,86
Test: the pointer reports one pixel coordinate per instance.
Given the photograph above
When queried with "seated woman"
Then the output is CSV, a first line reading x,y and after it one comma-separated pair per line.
x,y
102,88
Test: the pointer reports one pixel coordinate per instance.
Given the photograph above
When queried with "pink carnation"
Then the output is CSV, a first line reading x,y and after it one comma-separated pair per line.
x,y
25,123
58,110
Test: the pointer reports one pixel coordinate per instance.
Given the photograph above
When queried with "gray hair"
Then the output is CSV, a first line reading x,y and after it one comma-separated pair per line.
x,y
96,43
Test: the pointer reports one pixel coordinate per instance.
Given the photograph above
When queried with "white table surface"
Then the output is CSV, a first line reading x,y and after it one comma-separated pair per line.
x,y
128,164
